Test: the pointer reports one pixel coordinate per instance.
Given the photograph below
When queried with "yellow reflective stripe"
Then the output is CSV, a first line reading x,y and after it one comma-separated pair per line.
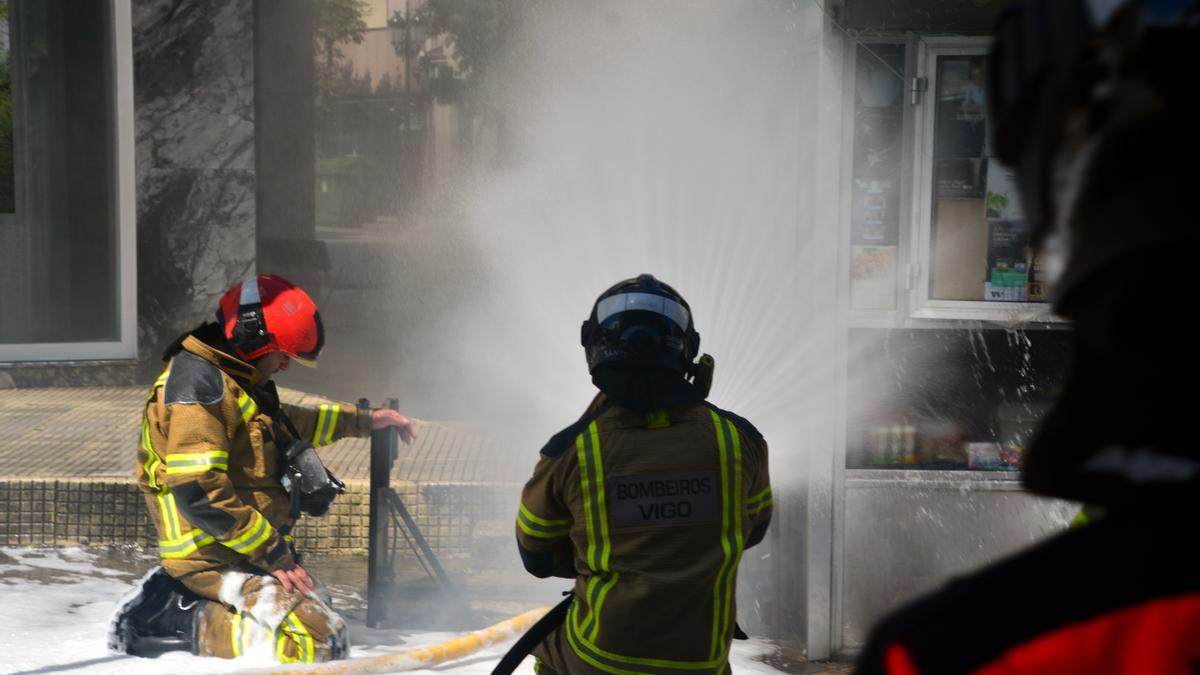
x,y
659,419
590,595
531,531
281,640
541,527
599,549
177,545
546,522
184,546
764,494
247,407
235,634
610,662
322,414
256,535
604,589
729,449
166,508
197,462
307,640
152,459
331,426
160,382
591,478
755,510
326,424
581,456
602,510
294,630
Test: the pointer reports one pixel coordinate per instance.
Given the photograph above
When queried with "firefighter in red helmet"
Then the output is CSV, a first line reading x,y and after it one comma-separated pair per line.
x,y
219,461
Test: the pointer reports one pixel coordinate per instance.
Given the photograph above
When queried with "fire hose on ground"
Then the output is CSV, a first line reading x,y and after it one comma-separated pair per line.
x,y
421,657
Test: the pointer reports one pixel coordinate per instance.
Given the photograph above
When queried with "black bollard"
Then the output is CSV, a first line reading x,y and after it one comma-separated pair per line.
x,y
380,576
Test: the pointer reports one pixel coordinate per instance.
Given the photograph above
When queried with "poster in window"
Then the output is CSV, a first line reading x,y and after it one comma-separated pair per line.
x,y
961,128
1002,202
1008,261
878,124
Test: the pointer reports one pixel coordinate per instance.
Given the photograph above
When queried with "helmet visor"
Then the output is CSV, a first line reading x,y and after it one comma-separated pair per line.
x,y
643,302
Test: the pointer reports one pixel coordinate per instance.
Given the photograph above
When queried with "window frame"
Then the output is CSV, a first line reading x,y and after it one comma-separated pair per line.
x,y
921,304
124,216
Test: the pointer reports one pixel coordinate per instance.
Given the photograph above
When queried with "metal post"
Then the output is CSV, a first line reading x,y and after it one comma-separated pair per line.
x,y
379,568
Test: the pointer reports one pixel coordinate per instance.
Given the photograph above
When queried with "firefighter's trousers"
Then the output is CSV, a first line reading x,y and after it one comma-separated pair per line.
x,y
252,614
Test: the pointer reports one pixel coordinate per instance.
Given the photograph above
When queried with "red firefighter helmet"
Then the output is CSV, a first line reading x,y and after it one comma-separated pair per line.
x,y
271,314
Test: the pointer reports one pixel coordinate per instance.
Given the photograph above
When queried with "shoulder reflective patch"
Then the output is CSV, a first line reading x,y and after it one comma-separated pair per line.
x,y
193,380
674,498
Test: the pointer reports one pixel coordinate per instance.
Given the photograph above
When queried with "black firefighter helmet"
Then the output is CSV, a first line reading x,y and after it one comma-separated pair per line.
x,y
640,341
1093,102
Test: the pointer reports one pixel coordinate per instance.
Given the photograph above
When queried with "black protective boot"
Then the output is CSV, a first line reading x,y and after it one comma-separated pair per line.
x,y
157,616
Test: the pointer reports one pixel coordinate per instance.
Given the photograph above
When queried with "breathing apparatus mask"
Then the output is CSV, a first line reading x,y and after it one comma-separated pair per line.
x,y
640,343
311,486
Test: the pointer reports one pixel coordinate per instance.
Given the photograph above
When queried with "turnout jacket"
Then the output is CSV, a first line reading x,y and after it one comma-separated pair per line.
x,y
209,456
650,515
1118,595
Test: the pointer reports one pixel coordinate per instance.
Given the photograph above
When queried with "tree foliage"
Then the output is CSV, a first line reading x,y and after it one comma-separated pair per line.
x,y
475,25
335,22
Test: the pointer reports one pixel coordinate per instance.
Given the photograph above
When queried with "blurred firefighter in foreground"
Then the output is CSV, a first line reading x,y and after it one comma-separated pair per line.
x,y
227,469
1095,105
647,501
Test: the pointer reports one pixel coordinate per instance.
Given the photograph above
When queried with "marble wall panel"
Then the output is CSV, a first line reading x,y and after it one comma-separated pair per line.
x,y
194,103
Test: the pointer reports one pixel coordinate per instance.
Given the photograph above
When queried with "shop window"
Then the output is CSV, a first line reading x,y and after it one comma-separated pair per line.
x,y
972,257
66,228
876,185
949,399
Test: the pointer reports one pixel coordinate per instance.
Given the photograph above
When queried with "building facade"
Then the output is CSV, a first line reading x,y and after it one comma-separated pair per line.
x,y
153,147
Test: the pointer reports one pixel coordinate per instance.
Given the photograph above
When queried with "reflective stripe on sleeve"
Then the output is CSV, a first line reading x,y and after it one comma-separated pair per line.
x,y
247,407
327,416
184,546
541,527
756,504
255,536
197,462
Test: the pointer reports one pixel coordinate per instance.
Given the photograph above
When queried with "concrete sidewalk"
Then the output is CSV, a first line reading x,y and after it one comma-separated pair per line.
x,y
67,457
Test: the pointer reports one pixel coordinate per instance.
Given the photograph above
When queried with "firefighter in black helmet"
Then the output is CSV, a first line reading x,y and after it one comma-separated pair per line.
x,y
647,501
1095,105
